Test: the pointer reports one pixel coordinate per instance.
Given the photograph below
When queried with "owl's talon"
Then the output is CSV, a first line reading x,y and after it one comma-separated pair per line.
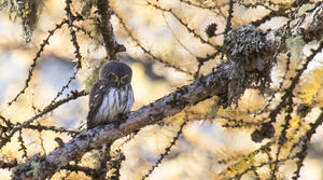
x,y
125,116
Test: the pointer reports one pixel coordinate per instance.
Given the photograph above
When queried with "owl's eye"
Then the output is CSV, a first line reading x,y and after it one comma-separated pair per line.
x,y
124,79
112,77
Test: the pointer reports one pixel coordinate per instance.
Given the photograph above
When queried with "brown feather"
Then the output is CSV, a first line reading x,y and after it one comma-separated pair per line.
x,y
96,97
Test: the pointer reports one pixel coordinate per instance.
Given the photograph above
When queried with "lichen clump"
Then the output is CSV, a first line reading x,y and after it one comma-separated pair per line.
x,y
247,45
251,56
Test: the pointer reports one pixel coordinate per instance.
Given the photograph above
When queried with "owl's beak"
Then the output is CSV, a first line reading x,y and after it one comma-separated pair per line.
x,y
118,83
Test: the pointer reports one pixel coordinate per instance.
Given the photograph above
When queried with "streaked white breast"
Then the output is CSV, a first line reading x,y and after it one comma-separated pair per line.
x,y
115,102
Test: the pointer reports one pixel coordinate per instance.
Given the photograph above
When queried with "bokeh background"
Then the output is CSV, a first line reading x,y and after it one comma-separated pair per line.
x,y
204,141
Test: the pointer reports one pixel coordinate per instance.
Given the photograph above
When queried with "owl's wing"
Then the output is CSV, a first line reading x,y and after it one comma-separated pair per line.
x,y
96,97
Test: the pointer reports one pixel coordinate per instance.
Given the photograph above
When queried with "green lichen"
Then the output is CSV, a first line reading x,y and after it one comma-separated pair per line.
x,y
303,9
28,11
35,166
31,168
295,44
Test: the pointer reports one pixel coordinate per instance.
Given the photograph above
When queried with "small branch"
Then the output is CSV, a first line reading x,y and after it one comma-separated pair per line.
x,y
105,26
34,61
47,109
167,149
301,155
186,25
6,164
77,168
71,19
146,50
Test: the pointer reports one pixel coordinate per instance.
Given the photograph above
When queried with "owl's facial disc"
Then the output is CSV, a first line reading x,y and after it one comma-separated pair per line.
x,y
124,79
114,79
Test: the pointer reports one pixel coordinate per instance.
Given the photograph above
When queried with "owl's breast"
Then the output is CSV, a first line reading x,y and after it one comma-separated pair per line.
x,y
115,101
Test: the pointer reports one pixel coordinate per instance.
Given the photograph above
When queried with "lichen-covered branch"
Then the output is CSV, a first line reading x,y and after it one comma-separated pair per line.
x,y
199,90
223,81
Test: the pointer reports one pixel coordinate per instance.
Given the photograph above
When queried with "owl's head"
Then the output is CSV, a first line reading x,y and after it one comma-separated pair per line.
x,y
116,74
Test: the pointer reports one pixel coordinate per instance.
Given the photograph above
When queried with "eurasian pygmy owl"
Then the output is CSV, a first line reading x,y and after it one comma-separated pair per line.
x,y
112,96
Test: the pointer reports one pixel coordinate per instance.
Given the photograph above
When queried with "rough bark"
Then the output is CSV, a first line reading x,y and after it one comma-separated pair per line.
x,y
214,84
199,90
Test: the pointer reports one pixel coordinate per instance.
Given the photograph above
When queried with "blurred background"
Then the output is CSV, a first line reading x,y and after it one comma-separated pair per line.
x,y
204,142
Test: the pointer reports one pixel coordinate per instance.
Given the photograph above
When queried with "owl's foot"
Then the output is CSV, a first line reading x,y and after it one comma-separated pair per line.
x,y
121,118
125,116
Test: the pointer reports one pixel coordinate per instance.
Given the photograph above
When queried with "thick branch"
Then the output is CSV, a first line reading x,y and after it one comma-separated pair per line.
x,y
214,84
201,89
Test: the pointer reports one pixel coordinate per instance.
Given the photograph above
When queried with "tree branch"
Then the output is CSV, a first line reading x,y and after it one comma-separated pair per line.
x,y
199,90
214,84
106,29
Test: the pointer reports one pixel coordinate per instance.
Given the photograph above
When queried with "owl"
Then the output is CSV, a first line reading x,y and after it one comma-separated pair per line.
x,y
111,97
